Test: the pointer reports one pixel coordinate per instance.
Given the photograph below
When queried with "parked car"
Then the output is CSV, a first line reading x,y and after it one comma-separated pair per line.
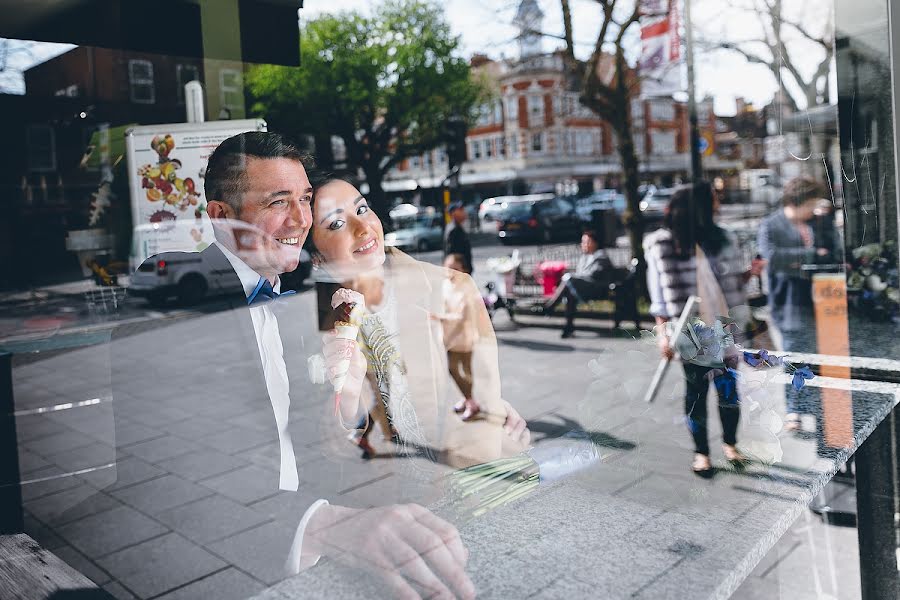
x,y
546,220
654,204
185,277
602,200
420,233
490,207
644,189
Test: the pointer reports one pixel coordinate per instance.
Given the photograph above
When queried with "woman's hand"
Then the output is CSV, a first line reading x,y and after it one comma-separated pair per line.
x,y
756,266
665,349
515,426
336,351
662,340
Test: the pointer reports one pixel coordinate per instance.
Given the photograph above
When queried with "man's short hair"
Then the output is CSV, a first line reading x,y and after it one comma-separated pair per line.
x,y
228,162
800,190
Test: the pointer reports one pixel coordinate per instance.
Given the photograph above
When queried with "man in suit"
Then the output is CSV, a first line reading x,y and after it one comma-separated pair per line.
x,y
259,195
456,240
589,281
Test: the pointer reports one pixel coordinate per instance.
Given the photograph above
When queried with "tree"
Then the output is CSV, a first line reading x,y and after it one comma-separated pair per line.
x,y
385,84
784,42
606,84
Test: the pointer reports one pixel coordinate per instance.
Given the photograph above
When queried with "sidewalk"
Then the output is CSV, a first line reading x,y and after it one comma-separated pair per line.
x,y
190,489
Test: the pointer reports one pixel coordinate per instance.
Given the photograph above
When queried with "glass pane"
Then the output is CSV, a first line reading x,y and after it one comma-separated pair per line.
x,y
422,302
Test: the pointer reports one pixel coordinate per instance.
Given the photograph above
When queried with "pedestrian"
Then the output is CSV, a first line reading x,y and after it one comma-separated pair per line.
x,y
459,333
688,244
456,239
590,281
795,240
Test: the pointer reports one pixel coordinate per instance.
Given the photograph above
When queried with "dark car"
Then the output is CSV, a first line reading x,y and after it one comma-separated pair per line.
x,y
547,220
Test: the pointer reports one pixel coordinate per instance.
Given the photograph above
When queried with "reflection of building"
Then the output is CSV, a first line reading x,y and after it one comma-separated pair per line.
x,y
128,86
121,73
535,135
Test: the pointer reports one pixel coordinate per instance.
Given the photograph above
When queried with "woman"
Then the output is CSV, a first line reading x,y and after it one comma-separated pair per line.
x,y
688,244
402,340
459,332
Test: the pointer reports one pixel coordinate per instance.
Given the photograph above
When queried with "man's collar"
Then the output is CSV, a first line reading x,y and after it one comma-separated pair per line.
x,y
249,278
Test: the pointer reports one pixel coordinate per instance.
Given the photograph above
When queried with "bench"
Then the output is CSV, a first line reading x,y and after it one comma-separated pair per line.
x,y
29,572
620,303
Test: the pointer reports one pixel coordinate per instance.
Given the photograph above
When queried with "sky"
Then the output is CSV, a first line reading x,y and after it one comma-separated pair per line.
x,y
485,26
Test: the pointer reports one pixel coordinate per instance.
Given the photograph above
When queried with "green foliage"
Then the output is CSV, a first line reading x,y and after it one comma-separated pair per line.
x,y
386,84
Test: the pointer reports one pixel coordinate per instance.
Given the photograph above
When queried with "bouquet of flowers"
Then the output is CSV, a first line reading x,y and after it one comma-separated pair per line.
x,y
873,281
480,488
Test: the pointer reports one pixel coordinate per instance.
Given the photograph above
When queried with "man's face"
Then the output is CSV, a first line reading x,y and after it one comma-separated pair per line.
x,y
459,215
588,244
276,203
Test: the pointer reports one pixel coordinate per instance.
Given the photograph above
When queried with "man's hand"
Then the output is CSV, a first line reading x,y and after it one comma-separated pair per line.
x,y
335,351
515,426
404,544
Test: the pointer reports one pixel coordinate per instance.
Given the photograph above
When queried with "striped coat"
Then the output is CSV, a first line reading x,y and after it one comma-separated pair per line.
x,y
671,279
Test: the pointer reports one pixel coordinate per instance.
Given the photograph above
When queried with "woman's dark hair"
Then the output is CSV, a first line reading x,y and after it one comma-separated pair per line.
x,y
689,216
318,179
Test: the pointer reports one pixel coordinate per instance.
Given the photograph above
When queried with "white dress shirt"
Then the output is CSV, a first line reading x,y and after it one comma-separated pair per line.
x,y
271,352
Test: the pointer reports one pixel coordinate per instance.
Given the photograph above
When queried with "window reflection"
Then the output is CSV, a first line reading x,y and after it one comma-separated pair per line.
x,y
248,365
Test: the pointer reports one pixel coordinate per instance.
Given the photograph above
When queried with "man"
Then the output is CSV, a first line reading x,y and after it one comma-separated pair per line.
x,y
795,245
456,240
589,281
259,196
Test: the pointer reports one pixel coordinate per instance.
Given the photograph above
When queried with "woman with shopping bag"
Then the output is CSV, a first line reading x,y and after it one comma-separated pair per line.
x,y
692,256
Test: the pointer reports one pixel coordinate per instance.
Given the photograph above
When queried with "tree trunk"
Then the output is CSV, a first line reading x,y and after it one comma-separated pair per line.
x,y
376,196
634,220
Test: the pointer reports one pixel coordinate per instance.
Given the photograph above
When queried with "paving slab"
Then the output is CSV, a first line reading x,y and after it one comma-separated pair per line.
x,y
160,565
229,584
245,484
154,496
258,550
161,448
209,519
202,464
103,533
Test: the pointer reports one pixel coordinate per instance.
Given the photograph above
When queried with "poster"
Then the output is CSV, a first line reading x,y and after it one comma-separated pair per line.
x,y
166,167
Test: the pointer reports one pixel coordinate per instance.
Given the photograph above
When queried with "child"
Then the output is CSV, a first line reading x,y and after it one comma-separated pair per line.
x,y
459,334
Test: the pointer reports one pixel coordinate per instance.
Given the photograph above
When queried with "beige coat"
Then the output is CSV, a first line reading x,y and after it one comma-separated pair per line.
x,y
419,292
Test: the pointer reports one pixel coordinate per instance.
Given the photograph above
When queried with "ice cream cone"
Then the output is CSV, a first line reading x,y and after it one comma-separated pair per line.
x,y
349,306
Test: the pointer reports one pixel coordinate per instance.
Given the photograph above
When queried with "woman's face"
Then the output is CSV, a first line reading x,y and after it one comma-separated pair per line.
x,y
346,231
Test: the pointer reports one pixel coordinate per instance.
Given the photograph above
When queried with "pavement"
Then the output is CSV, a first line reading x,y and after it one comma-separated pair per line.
x,y
200,524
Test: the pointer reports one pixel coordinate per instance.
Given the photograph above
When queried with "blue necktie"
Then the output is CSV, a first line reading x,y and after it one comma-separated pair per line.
x,y
263,293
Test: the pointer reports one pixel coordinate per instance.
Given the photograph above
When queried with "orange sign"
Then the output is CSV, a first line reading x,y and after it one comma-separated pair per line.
x,y
833,339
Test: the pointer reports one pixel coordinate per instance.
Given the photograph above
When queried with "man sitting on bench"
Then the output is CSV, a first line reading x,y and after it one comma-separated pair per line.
x,y
590,281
